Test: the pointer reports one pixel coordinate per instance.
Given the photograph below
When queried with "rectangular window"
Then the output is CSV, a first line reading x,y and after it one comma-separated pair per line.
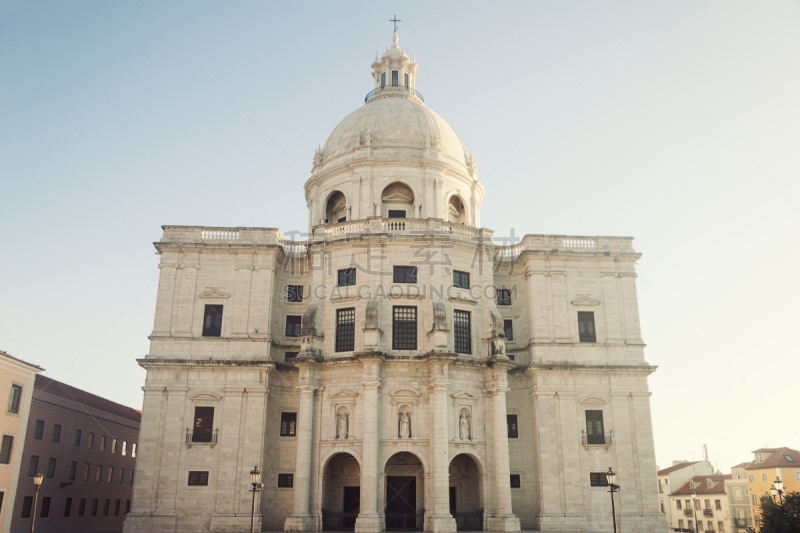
x,y
393,213
51,468
127,506
343,219
106,505
130,478
5,449
764,478
594,428
511,421
288,356
27,503
45,507
720,527
508,329
113,445
758,521
293,325
461,279
285,481
103,443
680,524
14,399
737,493
678,504
515,481
38,432
383,80
86,468
503,296
90,440
697,505
78,435
116,507
203,424
347,277
598,479
33,465
212,321
755,501
404,328
462,331
124,448
751,478
121,476
98,475
717,505
406,79
294,293
198,479
586,326
345,329
81,506
67,507
73,470
133,450
288,424
56,433
404,274
110,474
394,78
95,501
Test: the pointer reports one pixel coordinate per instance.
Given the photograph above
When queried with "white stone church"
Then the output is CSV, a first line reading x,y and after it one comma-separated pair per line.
x,y
402,368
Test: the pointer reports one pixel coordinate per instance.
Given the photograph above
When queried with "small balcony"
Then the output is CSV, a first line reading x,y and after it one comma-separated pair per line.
x,y
740,522
394,89
201,437
708,512
688,512
603,439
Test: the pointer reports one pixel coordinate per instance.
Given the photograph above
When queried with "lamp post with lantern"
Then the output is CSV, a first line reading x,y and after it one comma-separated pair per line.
x,y
255,480
611,478
694,509
37,482
779,489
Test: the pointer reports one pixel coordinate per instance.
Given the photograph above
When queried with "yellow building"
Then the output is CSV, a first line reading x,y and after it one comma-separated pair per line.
x,y
771,464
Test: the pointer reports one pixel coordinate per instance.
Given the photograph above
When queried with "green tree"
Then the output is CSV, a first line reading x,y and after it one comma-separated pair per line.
x,y
780,517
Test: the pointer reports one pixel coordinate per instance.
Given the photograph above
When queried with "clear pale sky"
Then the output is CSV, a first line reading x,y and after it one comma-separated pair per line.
x,y
673,122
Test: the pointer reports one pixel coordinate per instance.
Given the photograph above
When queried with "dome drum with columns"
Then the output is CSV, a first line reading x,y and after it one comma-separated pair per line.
x,y
400,369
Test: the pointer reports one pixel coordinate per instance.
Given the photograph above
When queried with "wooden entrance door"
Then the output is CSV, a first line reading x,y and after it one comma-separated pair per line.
x,y
401,503
351,506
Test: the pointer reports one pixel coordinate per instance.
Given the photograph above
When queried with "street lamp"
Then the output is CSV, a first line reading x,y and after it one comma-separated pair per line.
x,y
779,487
611,478
694,510
774,493
255,480
37,482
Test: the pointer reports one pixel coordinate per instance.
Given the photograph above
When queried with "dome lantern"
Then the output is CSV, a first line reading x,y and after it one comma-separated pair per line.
x,y
394,74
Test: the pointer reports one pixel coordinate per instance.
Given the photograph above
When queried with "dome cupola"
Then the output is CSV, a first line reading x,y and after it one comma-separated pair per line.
x,y
394,74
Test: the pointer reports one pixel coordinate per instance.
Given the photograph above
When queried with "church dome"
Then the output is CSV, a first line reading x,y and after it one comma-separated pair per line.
x,y
394,125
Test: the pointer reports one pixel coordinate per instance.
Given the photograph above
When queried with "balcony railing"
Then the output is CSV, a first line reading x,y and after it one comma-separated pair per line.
x,y
708,512
201,438
740,522
688,512
597,440
394,89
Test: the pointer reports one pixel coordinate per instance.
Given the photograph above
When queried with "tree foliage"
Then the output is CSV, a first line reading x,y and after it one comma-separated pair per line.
x,y
780,517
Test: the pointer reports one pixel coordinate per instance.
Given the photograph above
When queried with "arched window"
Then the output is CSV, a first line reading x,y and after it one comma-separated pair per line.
x,y
336,209
398,201
456,212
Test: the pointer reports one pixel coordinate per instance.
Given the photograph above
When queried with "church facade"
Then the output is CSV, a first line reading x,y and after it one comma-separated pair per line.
x,y
400,369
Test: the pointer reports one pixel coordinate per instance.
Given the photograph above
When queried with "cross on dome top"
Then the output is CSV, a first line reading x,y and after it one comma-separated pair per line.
x,y
395,20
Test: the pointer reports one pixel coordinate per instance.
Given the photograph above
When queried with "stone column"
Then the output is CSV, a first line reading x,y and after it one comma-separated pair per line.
x,y
302,519
439,519
370,519
502,519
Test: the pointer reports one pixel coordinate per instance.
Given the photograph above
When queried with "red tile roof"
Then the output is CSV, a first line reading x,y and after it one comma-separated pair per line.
x,y
777,459
740,465
52,386
717,485
673,468
6,354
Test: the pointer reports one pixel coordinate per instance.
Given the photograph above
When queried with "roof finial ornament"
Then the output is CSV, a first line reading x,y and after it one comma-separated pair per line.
x,y
395,20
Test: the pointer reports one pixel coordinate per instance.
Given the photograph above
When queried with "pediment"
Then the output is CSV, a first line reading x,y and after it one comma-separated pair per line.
x,y
215,293
593,399
343,393
206,396
463,395
585,300
396,197
405,391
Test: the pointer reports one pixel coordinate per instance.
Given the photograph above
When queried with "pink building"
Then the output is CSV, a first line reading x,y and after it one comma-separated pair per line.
x,y
86,448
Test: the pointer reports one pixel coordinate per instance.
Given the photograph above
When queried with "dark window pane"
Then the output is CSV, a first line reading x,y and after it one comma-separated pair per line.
x,y
404,328
293,325
383,79
78,434
103,443
598,479
90,441
33,465
290,356
67,507
86,468
51,467
461,279
461,332
45,507
106,505
288,424
15,399
347,277
586,326
81,506
198,478
406,79
57,433
116,507
503,296
513,431
394,78
121,476
285,480
594,427
127,506
5,449
508,329
212,321
404,274
95,501
397,214
345,329
515,481
73,470
203,424
295,293
38,432
27,503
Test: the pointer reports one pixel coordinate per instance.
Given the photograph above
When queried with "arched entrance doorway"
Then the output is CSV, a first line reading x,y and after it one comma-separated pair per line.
x,y
404,479
341,493
465,493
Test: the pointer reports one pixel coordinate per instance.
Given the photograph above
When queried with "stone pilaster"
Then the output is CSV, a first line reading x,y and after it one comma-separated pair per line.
x,y
438,519
502,518
370,519
166,295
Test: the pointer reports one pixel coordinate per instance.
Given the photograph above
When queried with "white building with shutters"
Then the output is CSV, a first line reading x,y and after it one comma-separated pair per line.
x,y
401,368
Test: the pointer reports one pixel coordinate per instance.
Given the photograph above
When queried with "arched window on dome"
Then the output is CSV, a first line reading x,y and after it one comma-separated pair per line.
x,y
456,212
398,201
336,209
